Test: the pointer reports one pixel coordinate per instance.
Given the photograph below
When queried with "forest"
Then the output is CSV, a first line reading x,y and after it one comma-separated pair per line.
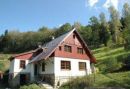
x,y
99,32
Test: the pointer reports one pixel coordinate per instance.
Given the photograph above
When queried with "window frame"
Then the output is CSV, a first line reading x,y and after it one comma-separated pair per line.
x,y
68,48
82,66
80,50
65,65
22,64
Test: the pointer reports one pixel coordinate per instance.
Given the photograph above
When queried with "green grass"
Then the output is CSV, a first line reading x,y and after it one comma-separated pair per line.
x,y
121,79
117,80
4,62
106,52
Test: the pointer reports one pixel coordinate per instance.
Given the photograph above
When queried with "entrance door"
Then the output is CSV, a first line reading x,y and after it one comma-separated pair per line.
x,y
22,79
35,69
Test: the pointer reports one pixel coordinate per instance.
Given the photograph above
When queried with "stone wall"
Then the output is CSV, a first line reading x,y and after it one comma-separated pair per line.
x,y
49,78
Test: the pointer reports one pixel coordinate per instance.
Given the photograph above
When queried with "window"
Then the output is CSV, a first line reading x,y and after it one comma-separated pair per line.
x,y
22,64
43,66
60,48
82,65
74,36
80,50
67,48
65,65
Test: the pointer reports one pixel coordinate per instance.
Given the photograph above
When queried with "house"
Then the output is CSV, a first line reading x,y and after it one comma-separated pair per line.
x,y
56,62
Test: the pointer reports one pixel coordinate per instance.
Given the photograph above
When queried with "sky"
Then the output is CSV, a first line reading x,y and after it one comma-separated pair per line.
x,y
30,15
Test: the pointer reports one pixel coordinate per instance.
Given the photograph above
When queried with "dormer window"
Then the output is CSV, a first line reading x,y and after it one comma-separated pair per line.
x,y
67,48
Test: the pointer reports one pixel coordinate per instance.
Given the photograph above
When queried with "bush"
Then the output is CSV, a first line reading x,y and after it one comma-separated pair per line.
x,y
31,86
112,65
2,66
78,83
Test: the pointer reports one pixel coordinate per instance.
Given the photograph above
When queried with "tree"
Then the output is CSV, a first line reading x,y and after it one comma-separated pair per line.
x,y
63,29
77,25
126,24
104,31
95,25
4,41
126,14
86,33
115,24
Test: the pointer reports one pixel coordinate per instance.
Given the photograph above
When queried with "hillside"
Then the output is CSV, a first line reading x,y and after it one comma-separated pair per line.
x,y
114,56
105,53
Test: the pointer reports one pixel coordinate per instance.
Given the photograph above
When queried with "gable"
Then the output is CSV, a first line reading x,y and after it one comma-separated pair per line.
x,y
73,39
75,43
51,47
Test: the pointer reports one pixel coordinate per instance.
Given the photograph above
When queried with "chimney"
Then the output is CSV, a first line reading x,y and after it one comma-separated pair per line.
x,y
53,37
39,45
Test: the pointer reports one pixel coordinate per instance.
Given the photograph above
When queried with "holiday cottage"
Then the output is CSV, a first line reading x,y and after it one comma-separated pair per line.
x,y
56,62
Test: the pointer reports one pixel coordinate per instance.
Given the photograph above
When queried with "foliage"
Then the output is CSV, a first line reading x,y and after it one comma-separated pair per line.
x,y
115,24
78,83
1,66
112,65
104,33
126,25
63,29
4,62
31,86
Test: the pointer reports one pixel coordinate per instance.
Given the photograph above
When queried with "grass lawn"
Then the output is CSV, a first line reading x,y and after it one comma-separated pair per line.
x,y
106,52
117,80
121,79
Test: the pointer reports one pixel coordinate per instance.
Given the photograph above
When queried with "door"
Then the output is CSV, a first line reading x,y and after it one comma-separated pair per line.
x,y
22,79
35,69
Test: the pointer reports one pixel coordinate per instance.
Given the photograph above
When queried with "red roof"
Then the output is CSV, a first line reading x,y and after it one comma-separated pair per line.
x,y
25,55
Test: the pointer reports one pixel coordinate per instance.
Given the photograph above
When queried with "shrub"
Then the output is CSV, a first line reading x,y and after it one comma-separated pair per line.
x,y
2,66
31,86
78,83
112,65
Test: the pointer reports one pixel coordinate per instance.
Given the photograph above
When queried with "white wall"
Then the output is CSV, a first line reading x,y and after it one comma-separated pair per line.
x,y
74,67
11,69
15,66
49,67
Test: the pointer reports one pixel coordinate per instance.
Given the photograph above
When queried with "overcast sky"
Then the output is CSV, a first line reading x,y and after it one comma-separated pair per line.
x,y
29,15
